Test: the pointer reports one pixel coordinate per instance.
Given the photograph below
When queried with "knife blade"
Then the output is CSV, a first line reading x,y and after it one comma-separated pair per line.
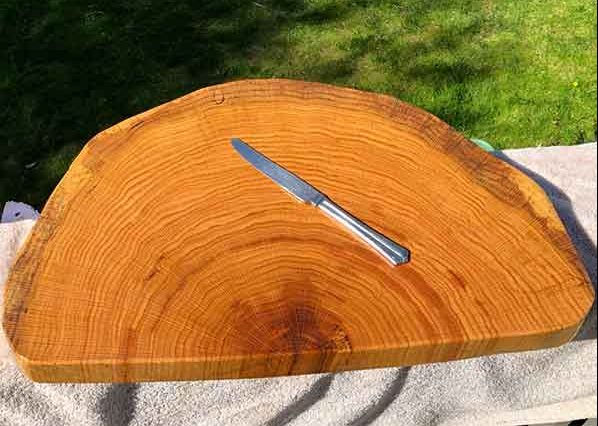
x,y
303,191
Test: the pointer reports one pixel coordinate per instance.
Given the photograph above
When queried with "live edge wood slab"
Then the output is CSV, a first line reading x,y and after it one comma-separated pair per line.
x,y
163,255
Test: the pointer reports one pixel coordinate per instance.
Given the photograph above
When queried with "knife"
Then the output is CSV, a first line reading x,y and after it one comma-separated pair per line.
x,y
304,192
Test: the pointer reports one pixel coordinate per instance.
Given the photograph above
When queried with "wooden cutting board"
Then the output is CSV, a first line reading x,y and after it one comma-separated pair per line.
x,y
163,255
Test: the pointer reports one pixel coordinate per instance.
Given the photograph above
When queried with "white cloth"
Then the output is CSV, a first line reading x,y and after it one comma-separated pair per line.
x,y
512,389
14,212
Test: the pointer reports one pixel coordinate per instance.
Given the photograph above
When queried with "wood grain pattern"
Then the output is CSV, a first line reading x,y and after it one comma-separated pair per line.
x,y
162,255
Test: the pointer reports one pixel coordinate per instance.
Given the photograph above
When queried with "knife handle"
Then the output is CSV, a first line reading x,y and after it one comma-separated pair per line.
x,y
390,250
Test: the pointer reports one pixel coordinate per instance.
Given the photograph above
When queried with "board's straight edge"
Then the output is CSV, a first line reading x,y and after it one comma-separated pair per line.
x,y
288,364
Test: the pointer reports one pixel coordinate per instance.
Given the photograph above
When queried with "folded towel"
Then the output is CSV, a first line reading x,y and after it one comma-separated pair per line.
x,y
512,389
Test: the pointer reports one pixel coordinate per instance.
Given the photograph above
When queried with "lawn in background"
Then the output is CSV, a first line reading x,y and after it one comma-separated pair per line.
x,y
515,73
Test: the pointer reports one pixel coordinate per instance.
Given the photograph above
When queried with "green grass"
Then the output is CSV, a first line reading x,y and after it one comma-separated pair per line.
x,y
515,73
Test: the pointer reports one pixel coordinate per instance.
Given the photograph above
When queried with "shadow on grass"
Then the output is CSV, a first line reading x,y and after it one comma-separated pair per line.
x,y
443,60
72,68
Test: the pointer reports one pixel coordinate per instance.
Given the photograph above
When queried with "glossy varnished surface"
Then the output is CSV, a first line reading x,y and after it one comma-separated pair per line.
x,y
163,255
